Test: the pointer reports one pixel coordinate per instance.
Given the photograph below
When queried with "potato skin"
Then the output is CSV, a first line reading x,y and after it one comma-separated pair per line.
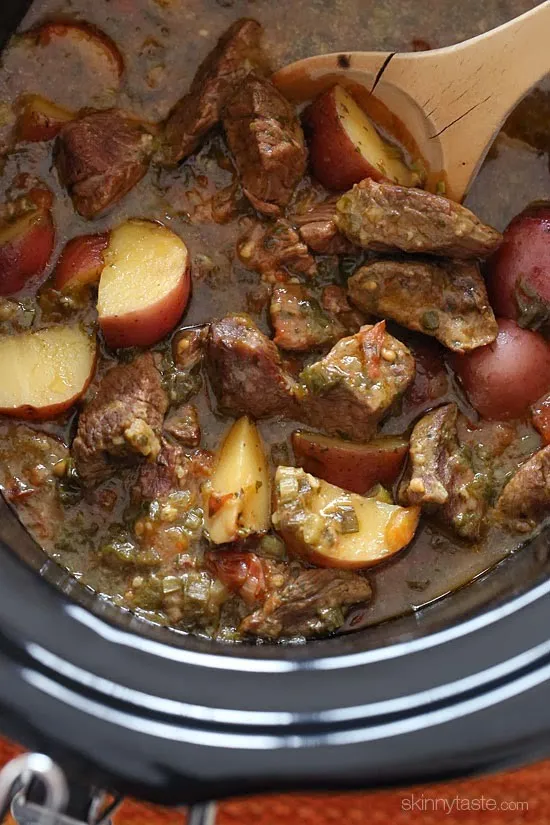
x,y
25,253
354,467
334,159
504,378
86,35
81,261
518,279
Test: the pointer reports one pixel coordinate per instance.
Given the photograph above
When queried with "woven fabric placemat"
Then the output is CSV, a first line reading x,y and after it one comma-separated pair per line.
x,y
512,798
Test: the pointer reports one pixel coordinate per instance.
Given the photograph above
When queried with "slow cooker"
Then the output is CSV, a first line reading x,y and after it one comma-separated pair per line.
x,y
460,687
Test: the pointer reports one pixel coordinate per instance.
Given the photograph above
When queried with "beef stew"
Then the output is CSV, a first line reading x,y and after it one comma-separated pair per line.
x,y
228,310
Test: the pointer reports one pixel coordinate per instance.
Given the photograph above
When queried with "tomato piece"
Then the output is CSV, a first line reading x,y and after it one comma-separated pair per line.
x,y
242,573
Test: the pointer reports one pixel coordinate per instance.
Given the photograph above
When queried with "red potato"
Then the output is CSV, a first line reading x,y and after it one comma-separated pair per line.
x,y
503,379
344,146
94,46
81,262
26,242
518,280
354,467
145,285
331,527
39,119
45,372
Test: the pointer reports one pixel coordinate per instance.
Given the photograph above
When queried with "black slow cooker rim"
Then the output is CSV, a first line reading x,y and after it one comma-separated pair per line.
x,y
180,723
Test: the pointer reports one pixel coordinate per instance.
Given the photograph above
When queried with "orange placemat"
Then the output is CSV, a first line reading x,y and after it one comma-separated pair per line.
x,y
513,798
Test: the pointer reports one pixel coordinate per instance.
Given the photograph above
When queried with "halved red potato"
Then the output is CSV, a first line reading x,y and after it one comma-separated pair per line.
x,y
355,467
26,243
518,279
81,262
95,47
45,372
145,285
504,378
39,119
345,147
331,527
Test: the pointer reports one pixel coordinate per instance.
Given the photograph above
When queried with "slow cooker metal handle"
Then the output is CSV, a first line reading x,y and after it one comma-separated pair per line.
x,y
18,775
202,814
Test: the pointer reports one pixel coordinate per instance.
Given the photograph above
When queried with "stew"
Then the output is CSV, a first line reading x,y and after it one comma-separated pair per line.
x,y
261,379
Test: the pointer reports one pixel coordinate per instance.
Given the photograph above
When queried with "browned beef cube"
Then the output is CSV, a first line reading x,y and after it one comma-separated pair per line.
x,y
299,322
440,476
275,251
184,426
173,470
335,301
32,464
236,53
123,422
525,500
350,390
246,370
386,217
319,232
446,299
267,142
100,157
310,603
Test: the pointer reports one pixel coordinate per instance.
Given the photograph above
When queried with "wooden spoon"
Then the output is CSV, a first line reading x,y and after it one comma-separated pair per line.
x,y
453,101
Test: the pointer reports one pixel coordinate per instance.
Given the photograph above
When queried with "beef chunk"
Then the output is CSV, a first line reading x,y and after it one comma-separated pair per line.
x,y
440,476
525,500
100,157
311,602
349,391
246,370
446,299
237,52
319,232
386,217
275,251
184,426
267,142
299,322
123,422
174,469
335,301
31,464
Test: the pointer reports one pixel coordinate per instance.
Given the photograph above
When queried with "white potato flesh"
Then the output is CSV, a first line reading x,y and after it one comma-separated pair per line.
x,y
45,371
377,152
144,263
239,492
334,528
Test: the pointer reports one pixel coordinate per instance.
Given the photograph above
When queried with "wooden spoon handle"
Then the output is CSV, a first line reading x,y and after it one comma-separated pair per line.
x,y
466,91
